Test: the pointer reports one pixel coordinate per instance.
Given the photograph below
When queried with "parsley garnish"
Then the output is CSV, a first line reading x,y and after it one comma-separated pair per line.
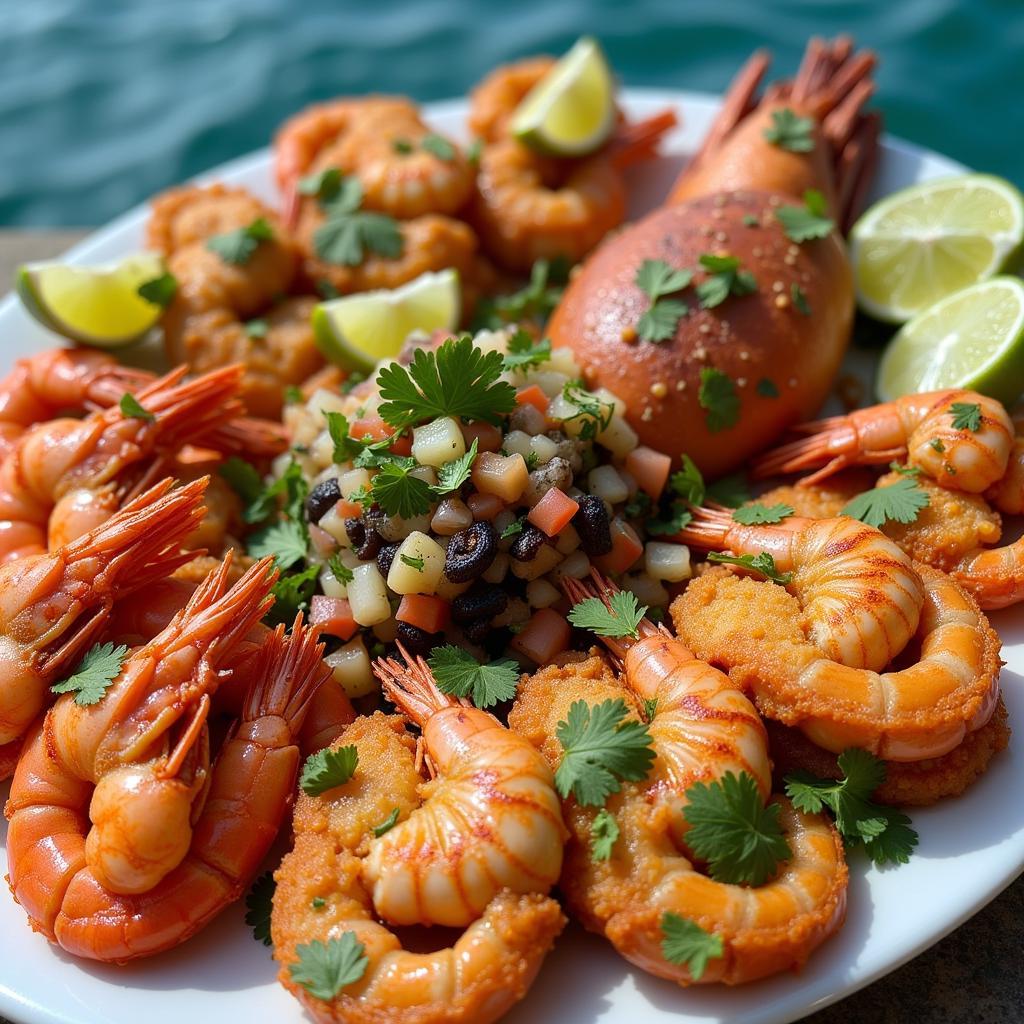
x,y
749,515
914,471
318,903
536,301
729,490
801,304
789,131
387,824
325,968
936,445
604,831
257,328
132,408
414,562
328,768
96,671
595,413
516,526
620,617
402,146
339,570
685,942
677,517
766,388
966,416
762,563
717,396
650,705
438,145
261,501
751,220
238,246
292,593
258,906
657,279
452,475
602,748
724,279
457,380
349,233
524,351
398,492
160,290
474,150
458,673
734,830
287,541
243,479
802,223
884,831
900,502
325,185
688,482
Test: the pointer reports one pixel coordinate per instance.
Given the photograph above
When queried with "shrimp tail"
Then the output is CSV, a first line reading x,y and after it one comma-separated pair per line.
x,y
707,530
636,141
411,687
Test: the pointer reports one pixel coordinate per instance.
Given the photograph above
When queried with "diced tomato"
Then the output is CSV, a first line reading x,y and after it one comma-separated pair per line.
x,y
322,541
487,435
553,512
484,506
546,635
349,509
533,395
402,445
333,615
370,427
626,548
650,469
425,611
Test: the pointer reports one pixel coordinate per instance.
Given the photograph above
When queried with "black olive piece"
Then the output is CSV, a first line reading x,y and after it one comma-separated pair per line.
x,y
416,640
526,544
483,601
365,540
385,557
477,631
470,552
593,526
322,499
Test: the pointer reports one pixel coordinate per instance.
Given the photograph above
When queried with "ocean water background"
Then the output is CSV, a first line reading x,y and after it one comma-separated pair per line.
x,y
104,102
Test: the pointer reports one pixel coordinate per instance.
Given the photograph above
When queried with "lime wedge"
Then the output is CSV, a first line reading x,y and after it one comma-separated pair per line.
x,y
971,339
571,110
920,244
99,306
357,331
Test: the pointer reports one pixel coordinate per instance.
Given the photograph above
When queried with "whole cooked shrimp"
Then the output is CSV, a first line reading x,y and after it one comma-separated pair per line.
x,y
937,432
1007,493
819,668
54,605
763,929
123,839
323,896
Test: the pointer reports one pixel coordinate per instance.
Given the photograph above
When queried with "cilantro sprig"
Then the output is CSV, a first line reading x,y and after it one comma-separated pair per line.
x,y
237,247
160,291
724,278
523,351
604,832
757,512
790,131
685,942
133,409
656,279
804,223
620,617
900,502
323,969
349,233
259,902
593,413
458,673
387,824
398,492
885,832
536,301
328,768
94,674
762,563
452,475
718,398
966,416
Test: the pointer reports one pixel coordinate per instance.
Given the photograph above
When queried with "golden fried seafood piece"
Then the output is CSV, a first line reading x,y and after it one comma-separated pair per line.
x,y
321,896
825,499
764,929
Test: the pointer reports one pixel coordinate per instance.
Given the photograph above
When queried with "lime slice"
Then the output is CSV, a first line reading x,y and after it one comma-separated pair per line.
x,y
98,306
357,331
971,339
919,245
571,110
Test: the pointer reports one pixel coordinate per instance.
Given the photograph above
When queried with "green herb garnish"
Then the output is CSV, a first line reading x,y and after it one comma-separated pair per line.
x,y
258,906
328,768
604,831
966,416
657,279
749,515
325,968
724,279
685,942
789,131
95,672
804,223
387,824
718,398
762,563
458,673
901,502
238,246
132,408
620,617
160,290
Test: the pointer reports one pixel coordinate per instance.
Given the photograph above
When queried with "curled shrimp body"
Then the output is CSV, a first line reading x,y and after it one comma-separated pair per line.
x,y
918,428
493,101
764,929
53,606
169,840
490,784
65,476
322,894
1007,494
858,590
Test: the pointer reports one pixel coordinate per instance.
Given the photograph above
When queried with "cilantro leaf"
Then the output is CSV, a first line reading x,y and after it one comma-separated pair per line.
x,y
328,768
516,526
734,831
258,907
524,351
452,475
243,479
257,328
677,517
291,485
132,408
398,493
287,541
802,223
659,323
402,146
535,302
325,184
900,502
458,673
884,831
620,617
604,831
602,748
688,482
160,290
685,942
725,279
387,824
345,239
325,968
94,674
789,131
656,278
595,413
729,490
718,397
762,563
339,570
458,380
292,592
414,562
799,301
758,513
914,471
766,388
966,416
650,707
238,246
438,145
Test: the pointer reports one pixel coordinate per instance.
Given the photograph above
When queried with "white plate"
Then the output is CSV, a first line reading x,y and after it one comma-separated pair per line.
x,y
971,848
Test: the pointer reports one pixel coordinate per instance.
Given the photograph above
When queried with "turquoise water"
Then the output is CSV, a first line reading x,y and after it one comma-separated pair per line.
x,y
103,102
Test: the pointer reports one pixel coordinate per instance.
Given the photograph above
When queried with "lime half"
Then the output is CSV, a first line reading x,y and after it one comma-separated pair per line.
x,y
99,306
919,245
357,331
971,339
571,110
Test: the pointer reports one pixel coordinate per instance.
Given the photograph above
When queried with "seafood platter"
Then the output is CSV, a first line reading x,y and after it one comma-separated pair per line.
x,y
545,554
